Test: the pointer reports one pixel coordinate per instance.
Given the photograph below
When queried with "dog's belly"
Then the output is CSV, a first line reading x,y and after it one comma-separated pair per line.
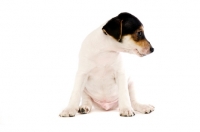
x,y
101,84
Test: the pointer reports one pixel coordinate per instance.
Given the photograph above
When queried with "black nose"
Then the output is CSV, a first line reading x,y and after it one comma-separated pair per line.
x,y
151,50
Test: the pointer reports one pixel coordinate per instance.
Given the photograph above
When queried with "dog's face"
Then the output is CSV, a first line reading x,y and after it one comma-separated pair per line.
x,y
128,30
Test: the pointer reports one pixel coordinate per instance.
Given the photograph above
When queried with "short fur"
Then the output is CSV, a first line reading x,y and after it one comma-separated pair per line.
x,y
101,77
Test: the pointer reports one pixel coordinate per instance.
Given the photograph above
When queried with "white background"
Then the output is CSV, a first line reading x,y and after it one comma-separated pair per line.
x,y
39,45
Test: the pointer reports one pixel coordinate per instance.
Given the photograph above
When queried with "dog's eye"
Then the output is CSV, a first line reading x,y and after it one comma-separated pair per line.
x,y
139,33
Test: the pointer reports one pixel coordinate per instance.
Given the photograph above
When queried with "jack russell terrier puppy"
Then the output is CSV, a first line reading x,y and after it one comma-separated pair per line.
x,y
101,77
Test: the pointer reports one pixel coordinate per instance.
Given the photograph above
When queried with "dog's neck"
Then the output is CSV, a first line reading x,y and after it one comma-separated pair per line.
x,y
114,46
101,42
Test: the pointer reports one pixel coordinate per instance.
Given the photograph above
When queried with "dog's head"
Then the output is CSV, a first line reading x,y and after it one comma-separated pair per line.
x,y
128,30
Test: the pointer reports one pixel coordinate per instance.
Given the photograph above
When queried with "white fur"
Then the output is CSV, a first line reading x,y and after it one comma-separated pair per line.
x,y
101,73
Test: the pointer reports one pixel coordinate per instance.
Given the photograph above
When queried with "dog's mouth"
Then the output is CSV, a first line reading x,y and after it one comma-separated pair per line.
x,y
140,54
135,51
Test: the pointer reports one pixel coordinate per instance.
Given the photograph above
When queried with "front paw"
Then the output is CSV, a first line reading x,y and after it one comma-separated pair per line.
x,y
68,112
126,112
84,109
145,109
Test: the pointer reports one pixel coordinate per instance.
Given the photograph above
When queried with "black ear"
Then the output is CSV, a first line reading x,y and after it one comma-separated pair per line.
x,y
114,28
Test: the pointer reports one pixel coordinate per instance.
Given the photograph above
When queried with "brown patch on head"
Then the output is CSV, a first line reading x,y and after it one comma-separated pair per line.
x,y
139,38
143,44
138,34
120,36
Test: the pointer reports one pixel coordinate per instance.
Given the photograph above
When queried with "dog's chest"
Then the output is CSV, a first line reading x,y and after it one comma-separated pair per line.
x,y
102,73
104,59
101,83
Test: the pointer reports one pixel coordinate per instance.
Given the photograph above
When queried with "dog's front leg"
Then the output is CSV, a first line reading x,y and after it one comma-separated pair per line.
x,y
73,105
142,108
124,99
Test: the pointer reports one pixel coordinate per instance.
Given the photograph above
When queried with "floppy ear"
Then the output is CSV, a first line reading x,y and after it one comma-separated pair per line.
x,y
114,28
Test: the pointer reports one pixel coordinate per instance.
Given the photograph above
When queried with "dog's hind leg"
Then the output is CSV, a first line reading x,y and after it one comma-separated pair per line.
x,y
86,104
145,109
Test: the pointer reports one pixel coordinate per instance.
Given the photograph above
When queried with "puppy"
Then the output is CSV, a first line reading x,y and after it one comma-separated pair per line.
x,y
101,77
